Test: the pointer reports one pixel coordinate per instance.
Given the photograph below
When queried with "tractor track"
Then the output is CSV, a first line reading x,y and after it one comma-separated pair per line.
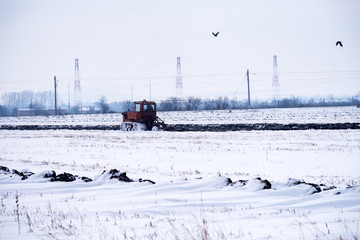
x,y
200,127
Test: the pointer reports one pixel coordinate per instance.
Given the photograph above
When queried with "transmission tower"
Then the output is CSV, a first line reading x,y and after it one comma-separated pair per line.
x,y
275,83
77,88
179,86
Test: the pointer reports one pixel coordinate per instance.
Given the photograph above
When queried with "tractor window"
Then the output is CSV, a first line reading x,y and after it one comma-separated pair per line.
x,y
148,107
137,107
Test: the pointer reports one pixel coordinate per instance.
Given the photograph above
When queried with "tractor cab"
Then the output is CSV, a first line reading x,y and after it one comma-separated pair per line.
x,y
145,106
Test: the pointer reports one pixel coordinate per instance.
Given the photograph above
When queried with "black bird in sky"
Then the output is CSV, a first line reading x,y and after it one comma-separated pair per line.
x,y
339,43
215,34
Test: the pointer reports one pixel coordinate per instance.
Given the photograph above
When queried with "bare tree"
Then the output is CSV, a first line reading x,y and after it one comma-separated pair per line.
x,y
171,104
39,101
26,98
103,105
222,103
193,103
127,105
209,105
4,110
11,99
234,103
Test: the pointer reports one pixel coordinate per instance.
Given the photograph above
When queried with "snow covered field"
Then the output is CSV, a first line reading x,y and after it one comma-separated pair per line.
x,y
279,115
192,197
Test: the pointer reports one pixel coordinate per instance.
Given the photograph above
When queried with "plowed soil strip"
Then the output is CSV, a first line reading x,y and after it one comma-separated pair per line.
x,y
199,127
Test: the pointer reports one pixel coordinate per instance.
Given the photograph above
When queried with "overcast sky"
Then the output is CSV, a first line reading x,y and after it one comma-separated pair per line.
x,y
122,44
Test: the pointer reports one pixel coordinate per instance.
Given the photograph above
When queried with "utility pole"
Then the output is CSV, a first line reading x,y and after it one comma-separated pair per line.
x,y
77,88
275,83
55,85
179,85
248,83
132,93
68,97
150,88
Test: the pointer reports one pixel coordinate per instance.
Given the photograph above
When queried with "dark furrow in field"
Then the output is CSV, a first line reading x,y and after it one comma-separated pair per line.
x,y
199,127
263,126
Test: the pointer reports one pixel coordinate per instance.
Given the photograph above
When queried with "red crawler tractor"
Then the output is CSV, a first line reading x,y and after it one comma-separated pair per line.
x,y
142,118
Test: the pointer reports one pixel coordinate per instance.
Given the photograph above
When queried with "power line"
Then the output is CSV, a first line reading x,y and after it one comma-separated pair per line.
x,y
184,76
308,72
241,83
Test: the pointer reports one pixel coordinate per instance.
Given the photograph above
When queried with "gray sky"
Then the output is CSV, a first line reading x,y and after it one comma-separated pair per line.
x,y
121,44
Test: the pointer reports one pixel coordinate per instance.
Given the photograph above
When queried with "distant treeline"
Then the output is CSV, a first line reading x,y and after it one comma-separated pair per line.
x,y
223,103
12,102
43,103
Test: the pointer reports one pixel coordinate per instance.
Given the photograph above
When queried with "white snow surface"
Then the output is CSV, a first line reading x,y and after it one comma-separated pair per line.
x,y
190,198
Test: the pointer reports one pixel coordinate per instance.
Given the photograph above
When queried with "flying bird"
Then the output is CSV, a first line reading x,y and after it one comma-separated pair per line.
x,y
215,34
339,43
